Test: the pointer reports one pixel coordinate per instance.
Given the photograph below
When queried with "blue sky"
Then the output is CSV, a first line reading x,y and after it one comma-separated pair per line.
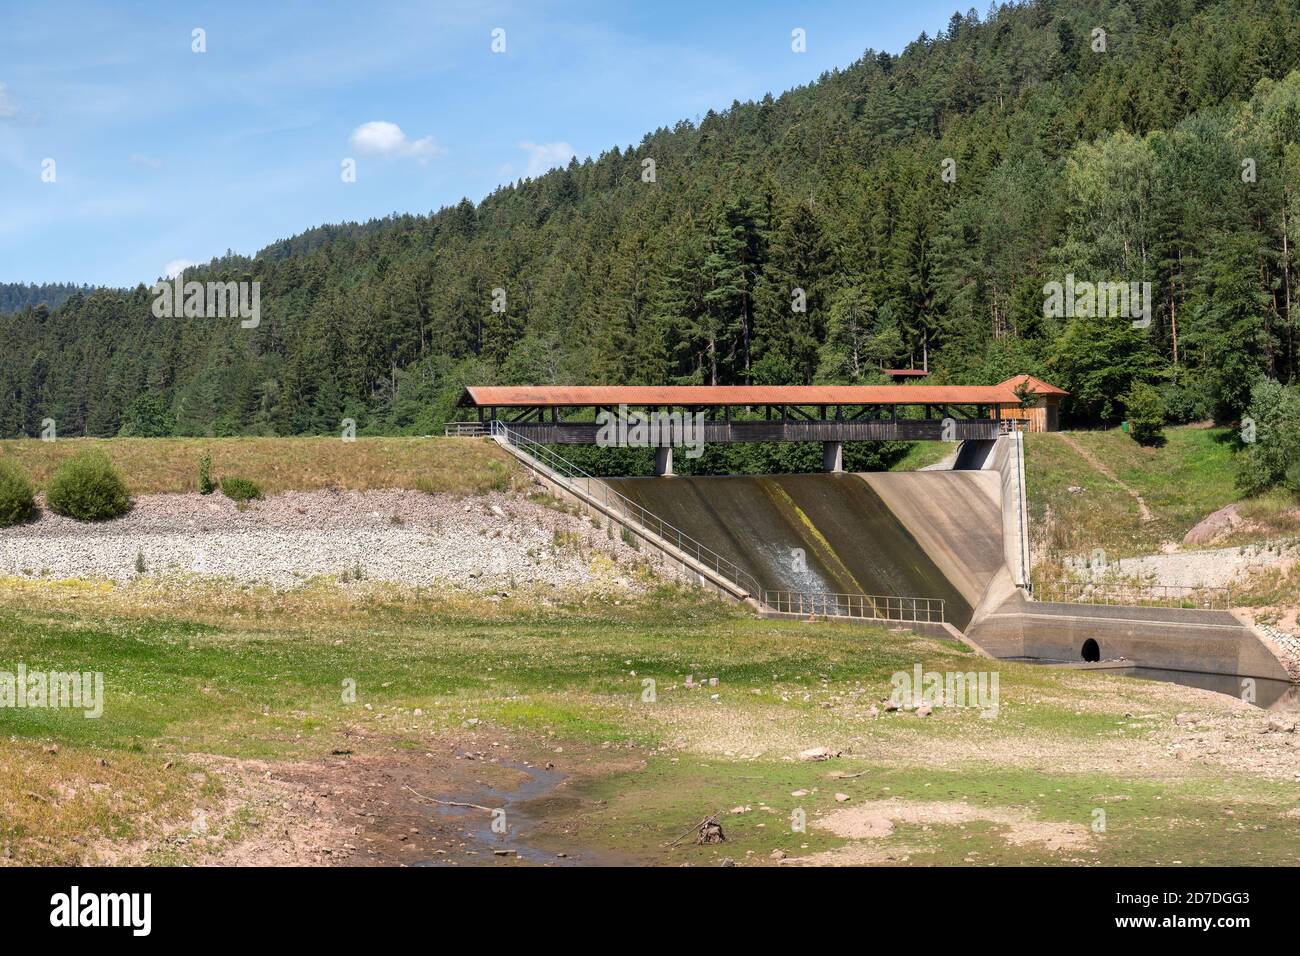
x,y
162,155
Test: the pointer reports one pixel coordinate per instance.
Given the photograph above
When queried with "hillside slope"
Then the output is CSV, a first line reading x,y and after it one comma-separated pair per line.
x,y
1090,489
1122,163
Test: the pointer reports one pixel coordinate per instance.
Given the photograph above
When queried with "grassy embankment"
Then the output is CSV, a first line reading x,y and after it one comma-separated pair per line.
x,y
462,465
257,674
162,465
923,453
1189,477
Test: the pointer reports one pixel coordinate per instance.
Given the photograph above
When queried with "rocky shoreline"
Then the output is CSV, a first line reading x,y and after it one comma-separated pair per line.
x,y
493,541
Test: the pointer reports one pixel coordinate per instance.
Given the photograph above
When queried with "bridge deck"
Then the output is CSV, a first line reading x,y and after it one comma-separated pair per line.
x,y
911,429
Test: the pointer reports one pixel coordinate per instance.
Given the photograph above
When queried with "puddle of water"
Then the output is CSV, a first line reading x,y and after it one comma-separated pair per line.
x,y
1276,695
1269,694
538,782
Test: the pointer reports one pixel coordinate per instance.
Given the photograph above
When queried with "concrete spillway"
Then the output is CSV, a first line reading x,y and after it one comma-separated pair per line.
x,y
956,535
849,534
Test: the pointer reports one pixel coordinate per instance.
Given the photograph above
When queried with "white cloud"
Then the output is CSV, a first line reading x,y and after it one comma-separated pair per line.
x,y
544,156
176,267
148,162
381,138
8,108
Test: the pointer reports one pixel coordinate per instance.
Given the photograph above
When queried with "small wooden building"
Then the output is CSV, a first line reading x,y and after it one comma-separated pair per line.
x,y
1043,413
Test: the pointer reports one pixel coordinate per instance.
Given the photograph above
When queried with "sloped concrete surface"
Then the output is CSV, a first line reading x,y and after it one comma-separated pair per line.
x,y
955,516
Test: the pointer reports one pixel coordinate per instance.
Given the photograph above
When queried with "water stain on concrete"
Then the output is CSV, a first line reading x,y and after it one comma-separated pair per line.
x,y
824,533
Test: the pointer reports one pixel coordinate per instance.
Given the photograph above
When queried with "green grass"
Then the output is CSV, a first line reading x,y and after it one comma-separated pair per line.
x,y
923,453
254,673
1183,481
1146,823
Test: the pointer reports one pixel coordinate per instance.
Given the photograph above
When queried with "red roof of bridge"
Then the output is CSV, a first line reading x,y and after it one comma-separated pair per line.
x,y
577,396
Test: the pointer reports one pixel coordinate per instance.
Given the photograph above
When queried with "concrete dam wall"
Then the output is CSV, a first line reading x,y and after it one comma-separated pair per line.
x,y
930,534
1166,638
955,535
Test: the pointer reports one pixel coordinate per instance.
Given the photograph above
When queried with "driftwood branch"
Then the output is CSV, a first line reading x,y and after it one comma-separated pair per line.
x,y
694,829
452,803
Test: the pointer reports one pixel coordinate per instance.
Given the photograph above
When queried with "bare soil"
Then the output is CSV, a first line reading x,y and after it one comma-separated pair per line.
x,y
384,805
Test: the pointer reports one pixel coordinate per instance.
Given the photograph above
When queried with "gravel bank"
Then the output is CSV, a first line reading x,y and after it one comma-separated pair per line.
x,y
488,542
1216,567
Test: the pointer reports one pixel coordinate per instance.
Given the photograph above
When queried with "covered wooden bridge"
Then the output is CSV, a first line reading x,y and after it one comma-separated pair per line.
x,y
831,414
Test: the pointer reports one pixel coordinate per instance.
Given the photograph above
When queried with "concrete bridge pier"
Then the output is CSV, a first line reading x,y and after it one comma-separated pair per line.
x,y
664,461
833,456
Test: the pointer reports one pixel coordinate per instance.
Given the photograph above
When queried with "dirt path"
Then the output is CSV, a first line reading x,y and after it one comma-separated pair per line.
x,y
1098,464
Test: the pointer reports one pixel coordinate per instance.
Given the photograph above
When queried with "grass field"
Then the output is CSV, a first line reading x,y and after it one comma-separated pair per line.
x,y
161,465
1181,482
249,681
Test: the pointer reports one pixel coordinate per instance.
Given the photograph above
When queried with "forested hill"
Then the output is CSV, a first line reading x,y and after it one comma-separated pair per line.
x,y
18,295
1171,157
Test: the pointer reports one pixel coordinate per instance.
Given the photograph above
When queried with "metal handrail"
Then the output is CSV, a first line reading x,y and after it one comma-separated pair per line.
x,y
1136,594
599,491
872,607
1022,497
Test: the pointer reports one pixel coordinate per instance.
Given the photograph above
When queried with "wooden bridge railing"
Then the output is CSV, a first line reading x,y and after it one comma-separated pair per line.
x,y
910,429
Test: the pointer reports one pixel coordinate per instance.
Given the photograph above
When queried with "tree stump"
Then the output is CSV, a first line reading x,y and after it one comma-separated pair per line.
x,y
711,831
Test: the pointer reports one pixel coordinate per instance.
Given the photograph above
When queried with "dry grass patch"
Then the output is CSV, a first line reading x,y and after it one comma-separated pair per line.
x,y
79,806
160,465
876,820
322,604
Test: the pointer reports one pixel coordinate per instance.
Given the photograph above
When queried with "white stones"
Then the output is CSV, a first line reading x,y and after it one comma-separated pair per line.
x,y
818,753
286,540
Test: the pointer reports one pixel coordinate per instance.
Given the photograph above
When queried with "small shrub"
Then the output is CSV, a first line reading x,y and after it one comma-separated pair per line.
x,y
206,486
1292,478
87,487
17,501
240,489
1146,414
140,567
1271,446
1185,403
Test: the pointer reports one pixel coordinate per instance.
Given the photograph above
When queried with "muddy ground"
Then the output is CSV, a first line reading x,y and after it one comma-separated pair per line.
x,y
382,804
